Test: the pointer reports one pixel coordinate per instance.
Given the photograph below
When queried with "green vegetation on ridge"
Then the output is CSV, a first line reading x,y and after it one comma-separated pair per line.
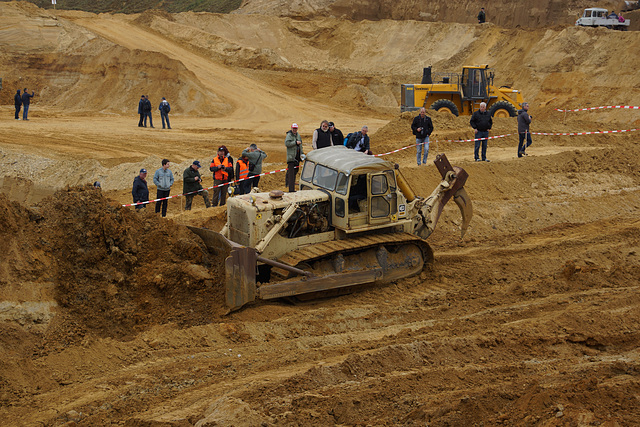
x,y
137,6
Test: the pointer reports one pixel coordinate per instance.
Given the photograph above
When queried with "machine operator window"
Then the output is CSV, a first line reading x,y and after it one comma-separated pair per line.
x,y
391,178
343,184
379,184
307,171
325,177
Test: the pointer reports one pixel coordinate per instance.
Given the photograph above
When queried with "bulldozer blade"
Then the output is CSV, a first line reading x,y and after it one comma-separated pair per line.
x,y
466,209
240,275
320,283
240,266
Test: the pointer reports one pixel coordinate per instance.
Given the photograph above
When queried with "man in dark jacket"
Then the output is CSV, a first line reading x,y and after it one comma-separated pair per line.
x,y
337,138
359,141
26,100
321,136
18,101
164,108
481,123
422,128
140,191
524,120
192,183
482,17
147,111
141,112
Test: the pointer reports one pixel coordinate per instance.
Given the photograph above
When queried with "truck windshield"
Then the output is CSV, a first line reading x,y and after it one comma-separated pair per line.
x,y
325,177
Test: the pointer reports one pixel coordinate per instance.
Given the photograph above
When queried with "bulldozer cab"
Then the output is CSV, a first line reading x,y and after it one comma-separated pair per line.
x,y
474,83
363,188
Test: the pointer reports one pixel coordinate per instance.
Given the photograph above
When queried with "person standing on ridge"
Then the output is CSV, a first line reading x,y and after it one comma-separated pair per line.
x,y
18,102
481,122
482,17
293,142
422,128
164,108
163,179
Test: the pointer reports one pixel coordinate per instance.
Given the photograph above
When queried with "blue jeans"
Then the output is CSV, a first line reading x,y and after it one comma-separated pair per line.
x,y
419,143
25,111
481,137
165,116
148,114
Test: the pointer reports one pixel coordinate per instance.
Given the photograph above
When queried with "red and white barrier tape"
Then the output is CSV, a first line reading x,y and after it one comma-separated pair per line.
x,y
622,107
395,151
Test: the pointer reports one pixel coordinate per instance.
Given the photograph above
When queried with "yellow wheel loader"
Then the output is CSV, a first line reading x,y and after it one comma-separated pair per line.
x,y
461,94
354,221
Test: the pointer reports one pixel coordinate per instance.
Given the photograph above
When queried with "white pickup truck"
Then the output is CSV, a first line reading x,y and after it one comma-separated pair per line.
x,y
597,17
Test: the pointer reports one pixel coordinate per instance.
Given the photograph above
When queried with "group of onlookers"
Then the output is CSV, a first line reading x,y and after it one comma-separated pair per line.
x,y
144,110
247,169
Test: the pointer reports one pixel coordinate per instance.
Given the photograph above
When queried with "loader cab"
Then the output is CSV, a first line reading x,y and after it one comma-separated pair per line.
x,y
363,188
475,83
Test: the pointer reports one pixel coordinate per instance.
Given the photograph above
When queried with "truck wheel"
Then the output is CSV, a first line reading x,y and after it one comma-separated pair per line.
x,y
445,105
502,109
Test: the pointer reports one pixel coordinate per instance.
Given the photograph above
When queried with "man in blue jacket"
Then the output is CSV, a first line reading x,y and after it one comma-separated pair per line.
x,y
140,191
163,179
18,102
26,100
164,108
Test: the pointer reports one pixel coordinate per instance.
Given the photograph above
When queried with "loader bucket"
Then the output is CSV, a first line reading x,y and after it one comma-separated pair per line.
x,y
240,267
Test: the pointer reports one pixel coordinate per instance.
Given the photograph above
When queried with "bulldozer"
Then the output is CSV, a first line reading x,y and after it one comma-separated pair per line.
x,y
355,221
461,93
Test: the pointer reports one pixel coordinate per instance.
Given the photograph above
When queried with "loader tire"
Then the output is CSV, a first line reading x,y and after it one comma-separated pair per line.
x,y
445,105
503,109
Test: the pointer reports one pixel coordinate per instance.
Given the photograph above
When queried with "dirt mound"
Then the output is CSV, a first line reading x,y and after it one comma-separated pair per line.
x,y
115,271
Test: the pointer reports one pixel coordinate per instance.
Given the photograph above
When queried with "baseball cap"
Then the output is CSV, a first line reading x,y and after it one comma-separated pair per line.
x,y
295,125
331,125
143,170
197,163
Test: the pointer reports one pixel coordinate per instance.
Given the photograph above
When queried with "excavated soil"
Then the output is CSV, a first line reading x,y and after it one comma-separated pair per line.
x,y
111,316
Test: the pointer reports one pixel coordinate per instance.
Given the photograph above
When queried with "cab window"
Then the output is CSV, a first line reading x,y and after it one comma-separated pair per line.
x,y
325,177
343,184
307,171
379,184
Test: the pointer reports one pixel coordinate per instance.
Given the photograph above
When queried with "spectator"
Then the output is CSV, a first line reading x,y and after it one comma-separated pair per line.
x,y
293,142
482,17
97,185
481,123
164,108
321,136
255,156
163,179
242,172
337,138
359,141
422,128
140,191
222,168
26,100
621,18
18,101
613,15
524,120
147,111
192,183
141,112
